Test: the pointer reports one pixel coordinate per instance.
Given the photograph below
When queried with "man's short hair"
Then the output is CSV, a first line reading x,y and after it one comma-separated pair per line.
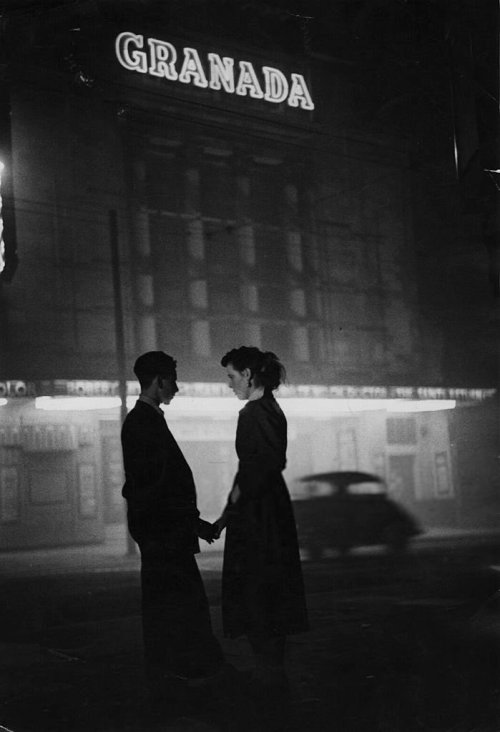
x,y
154,363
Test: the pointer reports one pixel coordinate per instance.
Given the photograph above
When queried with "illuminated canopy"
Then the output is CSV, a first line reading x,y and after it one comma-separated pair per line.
x,y
88,388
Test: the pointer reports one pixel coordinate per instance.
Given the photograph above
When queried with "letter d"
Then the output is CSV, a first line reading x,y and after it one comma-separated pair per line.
x,y
276,85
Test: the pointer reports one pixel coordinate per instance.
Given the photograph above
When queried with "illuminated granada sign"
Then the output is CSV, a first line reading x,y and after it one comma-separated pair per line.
x,y
161,59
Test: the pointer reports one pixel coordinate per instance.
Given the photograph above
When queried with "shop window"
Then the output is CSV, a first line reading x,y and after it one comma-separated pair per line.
x,y
87,495
401,478
348,449
9,494
401,431
444,487
48,486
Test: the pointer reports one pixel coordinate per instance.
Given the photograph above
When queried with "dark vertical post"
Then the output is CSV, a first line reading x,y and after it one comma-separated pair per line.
x,y
119,330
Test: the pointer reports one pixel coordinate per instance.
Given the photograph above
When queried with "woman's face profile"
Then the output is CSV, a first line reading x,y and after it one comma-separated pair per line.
x,y
238,381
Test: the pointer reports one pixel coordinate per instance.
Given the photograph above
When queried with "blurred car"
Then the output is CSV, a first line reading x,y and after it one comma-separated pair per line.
x,y
345,509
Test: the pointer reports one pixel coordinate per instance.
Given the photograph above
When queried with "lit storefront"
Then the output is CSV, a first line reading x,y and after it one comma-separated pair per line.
x,y
62,473
192,195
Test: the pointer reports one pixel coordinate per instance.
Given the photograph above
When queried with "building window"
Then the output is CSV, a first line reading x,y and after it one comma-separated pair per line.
x,y
298,301
200,338
250,297
196,246
198,293
401,431
294,250
301,344
246,241
252,334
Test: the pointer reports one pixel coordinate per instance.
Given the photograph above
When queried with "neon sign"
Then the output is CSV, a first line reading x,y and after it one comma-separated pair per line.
x,y
2,243
160,59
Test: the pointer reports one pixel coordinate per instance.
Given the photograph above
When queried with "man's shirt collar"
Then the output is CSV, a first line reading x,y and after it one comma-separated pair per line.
x,y
151,402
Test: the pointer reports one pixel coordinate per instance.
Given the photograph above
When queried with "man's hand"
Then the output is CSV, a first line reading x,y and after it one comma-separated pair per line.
x,y
206,531
219,525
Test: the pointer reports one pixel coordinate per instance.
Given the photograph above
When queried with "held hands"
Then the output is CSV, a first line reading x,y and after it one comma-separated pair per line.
x,y
207,531
219,525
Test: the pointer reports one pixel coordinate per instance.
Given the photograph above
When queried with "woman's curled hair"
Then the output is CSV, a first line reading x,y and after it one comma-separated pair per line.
x,y
265,367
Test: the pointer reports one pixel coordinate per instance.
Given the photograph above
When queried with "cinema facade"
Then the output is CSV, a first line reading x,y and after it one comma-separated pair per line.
x,y
172,193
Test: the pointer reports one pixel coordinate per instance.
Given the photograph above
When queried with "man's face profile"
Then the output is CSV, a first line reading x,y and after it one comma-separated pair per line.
x,y
167,388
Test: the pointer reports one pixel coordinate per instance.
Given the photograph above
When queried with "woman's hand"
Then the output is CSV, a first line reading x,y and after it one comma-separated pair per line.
x,y
219,525
206,531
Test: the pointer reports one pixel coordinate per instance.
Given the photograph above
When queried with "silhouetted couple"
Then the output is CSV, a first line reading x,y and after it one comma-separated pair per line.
x,y
262,587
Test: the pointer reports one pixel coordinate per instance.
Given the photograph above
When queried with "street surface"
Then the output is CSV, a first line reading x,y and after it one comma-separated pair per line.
x,y
396,645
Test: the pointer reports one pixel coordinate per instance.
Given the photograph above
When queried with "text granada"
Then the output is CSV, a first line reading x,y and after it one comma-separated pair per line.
x,y
161,59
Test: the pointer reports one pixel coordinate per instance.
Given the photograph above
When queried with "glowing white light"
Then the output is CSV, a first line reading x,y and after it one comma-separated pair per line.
x,y
2,167
422,405
76,404
3,402
217,407
228,407
328,407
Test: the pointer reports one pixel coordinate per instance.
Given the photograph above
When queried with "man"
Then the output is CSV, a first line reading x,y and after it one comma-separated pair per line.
x,y
179,646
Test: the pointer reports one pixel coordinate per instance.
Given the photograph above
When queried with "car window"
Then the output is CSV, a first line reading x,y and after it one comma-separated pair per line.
x,y
370,488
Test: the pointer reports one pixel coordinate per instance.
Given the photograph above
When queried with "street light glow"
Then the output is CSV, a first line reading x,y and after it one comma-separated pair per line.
x,y
224,407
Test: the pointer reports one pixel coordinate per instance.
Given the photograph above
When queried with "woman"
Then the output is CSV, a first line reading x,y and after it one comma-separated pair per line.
x,y
262,587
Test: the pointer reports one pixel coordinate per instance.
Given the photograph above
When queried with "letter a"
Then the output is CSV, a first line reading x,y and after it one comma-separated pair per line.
x,y
192,70
248,82
299,93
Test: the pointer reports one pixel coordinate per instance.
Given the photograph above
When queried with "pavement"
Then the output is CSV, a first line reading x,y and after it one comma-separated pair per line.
x,y
113,553
82,671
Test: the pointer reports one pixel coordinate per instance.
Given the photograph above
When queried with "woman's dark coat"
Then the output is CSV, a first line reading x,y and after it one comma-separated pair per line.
x,y
262,586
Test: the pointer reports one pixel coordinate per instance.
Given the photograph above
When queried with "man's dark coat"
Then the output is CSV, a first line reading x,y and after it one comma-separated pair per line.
x,y
163,519
159,485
